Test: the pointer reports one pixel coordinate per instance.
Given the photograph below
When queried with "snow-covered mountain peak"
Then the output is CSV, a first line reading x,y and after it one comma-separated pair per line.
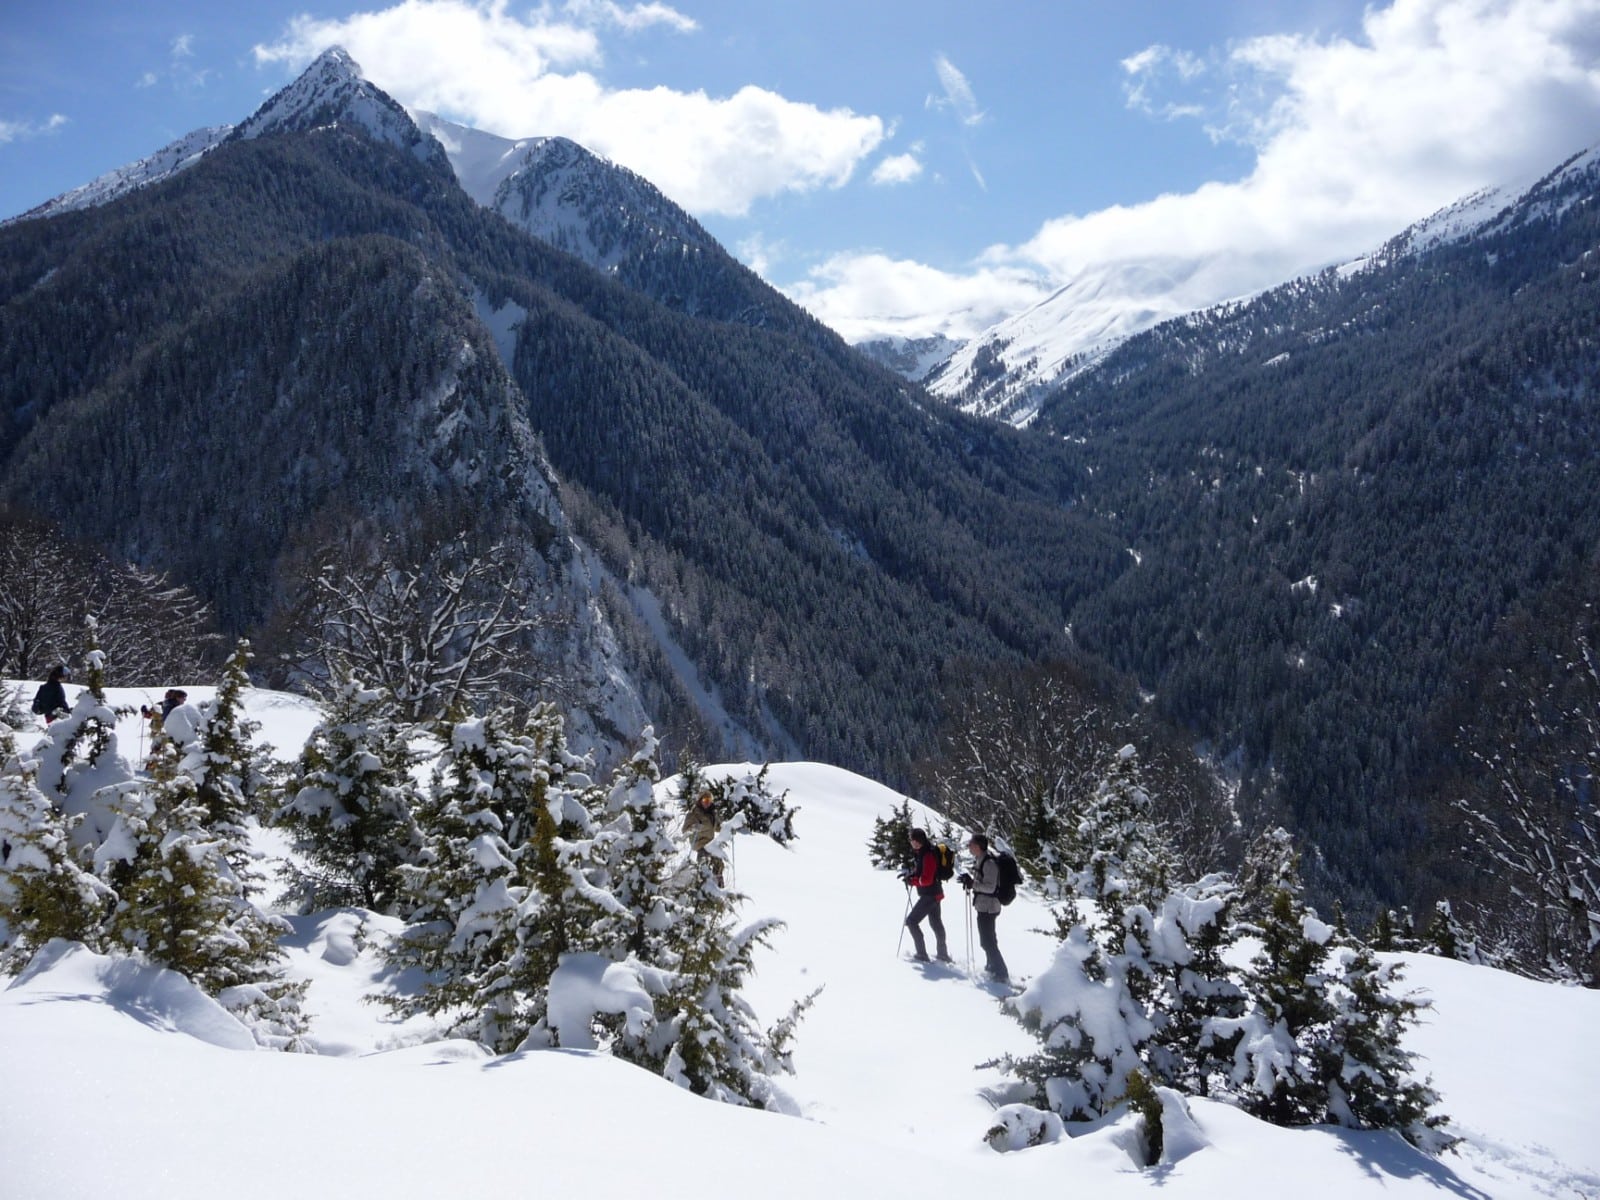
x,y
564,194
333,91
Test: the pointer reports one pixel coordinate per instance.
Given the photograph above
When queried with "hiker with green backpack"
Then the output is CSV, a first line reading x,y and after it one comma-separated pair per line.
x,y
931,869
991,889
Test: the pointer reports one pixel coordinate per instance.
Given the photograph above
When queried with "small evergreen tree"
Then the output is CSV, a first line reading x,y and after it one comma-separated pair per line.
x,y
229,771
47,889
891,837
508,879
349,801
1194,986
1277,1072
1448,937
1090,1024
706,1037
181,902
80,766
1271,865
1366,1067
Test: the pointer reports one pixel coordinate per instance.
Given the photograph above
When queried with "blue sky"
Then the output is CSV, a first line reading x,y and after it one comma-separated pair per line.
x,y
907,167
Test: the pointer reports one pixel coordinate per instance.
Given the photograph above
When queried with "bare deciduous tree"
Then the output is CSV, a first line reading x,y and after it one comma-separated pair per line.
x,y
1022,754
450,634
1531,814
150,629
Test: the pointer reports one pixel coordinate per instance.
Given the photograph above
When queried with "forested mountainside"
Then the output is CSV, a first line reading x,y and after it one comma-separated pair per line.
x,y
214,370
1337,492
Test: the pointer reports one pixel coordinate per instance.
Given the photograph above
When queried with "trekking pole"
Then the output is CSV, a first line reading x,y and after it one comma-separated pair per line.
x,y
733,864
903,916
968,899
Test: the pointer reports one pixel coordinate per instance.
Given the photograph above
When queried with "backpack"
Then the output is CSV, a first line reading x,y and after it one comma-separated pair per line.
x,y
947,860
1010,876
41,706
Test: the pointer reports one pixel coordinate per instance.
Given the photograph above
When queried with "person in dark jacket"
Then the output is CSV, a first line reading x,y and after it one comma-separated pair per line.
x,y
50,701
924,876
983,883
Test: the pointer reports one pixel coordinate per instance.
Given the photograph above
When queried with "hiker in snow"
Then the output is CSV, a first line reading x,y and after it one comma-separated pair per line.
x,y
50,701
701,824
983,883
158,716
925,878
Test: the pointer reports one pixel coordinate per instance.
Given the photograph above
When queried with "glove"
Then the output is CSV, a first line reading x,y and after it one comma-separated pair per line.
x,y
964,879
904,877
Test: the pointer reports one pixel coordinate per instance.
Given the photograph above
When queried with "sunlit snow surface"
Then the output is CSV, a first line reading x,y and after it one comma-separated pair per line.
x,y
123,1080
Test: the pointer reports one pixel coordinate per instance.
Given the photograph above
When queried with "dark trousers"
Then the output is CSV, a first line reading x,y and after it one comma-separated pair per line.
x,y
927,906
991,948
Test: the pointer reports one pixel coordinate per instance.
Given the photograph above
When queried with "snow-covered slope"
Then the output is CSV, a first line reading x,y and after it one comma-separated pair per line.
x,y
564,195
124,1078
910,357
1003,370
168,160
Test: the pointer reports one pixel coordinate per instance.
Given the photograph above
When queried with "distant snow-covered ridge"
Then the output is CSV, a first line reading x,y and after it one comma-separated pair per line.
x,y
1004,371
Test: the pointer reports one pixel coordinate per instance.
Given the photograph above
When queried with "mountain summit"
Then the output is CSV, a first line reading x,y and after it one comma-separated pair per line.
x,y
333,91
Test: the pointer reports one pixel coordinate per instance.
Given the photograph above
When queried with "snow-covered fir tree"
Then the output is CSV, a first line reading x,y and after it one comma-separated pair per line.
x,y
1193,986
1320,1041
80,764
1367,1067
1280,1040
47,887
229,771
1394,930
1124,971
706,1036
1091,1026
1446,936
508,877
641,859
1271,864
349,801
181,902
887,847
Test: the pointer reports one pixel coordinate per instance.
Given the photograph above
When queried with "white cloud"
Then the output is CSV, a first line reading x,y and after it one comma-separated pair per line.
x,y
1148,69
629,19
478,63
958,95
760,253
148,79
183,46
25,130
897,168
1353,137
866,294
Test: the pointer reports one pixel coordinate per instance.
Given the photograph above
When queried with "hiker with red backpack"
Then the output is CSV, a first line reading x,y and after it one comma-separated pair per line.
x,y
985,884
925,876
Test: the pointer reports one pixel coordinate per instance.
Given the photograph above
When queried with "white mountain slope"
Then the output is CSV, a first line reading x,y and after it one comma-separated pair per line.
x,y
562,194
124,1079
908,356
165,162
1003,371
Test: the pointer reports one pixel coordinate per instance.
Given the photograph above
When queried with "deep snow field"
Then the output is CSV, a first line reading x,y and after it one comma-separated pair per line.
x,y
122,1080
